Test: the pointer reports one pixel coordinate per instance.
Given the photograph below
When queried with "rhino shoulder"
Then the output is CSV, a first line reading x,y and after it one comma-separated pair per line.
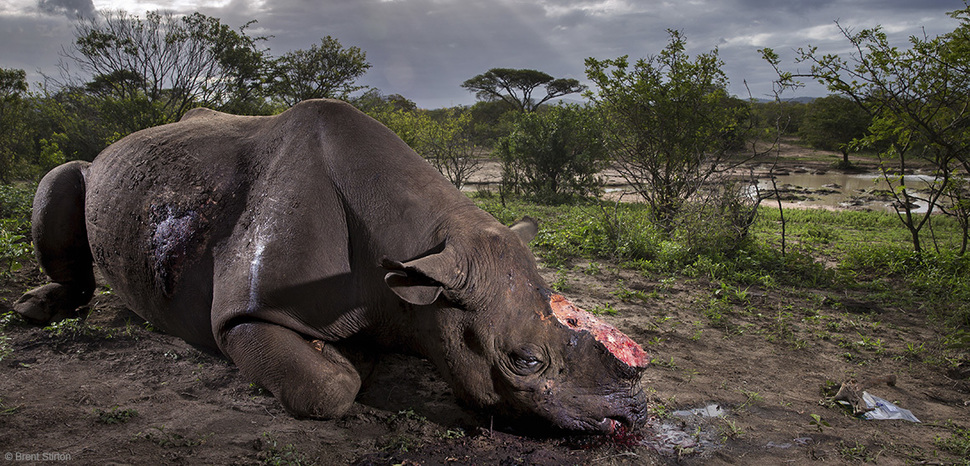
x,y
200,113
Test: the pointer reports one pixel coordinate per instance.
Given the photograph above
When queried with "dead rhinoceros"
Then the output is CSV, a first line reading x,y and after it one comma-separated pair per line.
x,y
263,236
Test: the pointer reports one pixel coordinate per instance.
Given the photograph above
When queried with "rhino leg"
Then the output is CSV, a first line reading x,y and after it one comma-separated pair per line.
x,y
61,244
311,380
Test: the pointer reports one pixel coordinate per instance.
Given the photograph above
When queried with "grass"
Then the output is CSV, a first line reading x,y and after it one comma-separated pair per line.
x,y
77,329
827,254
15,246
274,452
856,453
958,443
830,251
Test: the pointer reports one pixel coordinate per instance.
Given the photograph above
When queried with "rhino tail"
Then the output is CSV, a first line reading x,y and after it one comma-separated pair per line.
x,y
61,247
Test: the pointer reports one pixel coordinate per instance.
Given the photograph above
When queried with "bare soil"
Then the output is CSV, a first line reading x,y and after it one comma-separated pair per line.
x,y
120,393
764,362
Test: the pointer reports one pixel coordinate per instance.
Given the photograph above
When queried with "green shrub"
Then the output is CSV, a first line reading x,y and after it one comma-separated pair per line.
x,y
16,201
15,250
553,154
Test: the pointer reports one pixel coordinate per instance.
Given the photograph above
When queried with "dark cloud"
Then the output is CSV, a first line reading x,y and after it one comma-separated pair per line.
x,y
70,8
425,49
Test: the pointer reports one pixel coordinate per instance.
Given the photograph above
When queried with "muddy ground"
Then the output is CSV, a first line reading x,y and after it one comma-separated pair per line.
x,y
116,392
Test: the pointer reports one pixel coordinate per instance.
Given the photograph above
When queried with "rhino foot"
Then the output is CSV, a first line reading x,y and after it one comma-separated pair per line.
x,y
49,303
311,379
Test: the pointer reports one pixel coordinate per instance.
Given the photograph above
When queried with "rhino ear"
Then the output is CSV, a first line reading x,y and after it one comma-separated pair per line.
x,y
413,287
527,228
420,281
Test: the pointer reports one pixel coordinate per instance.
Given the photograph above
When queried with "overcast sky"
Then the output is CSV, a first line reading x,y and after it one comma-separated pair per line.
x,y
424,49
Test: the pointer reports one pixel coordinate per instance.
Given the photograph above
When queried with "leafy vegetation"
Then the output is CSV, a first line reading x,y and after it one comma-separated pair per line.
x,y
669,122
444,138
833,123
917,102
957,443
554,153
273,452
115,415
869,253
694,224
15,208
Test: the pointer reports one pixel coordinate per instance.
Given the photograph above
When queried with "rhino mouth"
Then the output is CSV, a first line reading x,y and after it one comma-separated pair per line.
x,y
630,416
607,425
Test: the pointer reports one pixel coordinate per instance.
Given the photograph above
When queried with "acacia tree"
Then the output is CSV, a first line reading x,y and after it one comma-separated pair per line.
x,y
516,87
919,102
325,71
669,121
175,62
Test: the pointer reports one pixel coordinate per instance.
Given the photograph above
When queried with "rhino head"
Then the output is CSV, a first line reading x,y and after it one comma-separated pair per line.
x,y
513,348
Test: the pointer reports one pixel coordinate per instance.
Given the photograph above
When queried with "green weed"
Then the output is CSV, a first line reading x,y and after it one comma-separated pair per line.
x,y
454,433
7,410
407,415
272,452
9,319
604,309
819,423
752,397
15,249
627,295
857,453
958,443
159,436
662,409
401,443
730,429
76,329
715,312
16,201
670,364
870,343
115,415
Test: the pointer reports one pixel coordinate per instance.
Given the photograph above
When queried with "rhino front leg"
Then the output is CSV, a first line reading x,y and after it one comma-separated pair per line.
x,y
310,380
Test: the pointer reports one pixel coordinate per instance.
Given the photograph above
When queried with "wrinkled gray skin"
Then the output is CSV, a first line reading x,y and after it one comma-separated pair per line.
x,y
256,235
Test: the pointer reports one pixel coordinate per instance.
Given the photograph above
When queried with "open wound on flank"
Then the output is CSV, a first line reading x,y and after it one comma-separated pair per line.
x,y
615,341
175,239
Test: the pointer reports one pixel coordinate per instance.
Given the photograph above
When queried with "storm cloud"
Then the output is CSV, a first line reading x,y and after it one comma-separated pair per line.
x,y
424,49
70,8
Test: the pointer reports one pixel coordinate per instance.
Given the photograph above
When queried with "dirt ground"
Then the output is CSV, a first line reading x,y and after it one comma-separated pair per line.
x,y
764,363
116,392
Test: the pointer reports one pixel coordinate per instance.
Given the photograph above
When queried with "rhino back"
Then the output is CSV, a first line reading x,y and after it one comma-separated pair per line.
x,y
288,214
156,203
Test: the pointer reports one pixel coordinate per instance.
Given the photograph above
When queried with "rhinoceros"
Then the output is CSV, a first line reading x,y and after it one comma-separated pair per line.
x,y
290,242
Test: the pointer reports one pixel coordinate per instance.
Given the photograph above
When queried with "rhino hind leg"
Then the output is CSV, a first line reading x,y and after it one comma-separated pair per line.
x,y
311,379
61,245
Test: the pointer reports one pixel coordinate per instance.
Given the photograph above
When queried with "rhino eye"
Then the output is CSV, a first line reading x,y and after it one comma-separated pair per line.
x,y
525,362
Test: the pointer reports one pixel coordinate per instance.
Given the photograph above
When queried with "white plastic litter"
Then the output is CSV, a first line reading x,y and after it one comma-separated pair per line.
x,y
711,410
882,409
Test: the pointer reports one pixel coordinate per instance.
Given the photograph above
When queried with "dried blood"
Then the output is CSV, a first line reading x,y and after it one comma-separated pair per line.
x,y
615,341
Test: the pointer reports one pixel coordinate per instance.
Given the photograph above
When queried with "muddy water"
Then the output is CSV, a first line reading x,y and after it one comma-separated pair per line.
x,y
838,190
801,188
